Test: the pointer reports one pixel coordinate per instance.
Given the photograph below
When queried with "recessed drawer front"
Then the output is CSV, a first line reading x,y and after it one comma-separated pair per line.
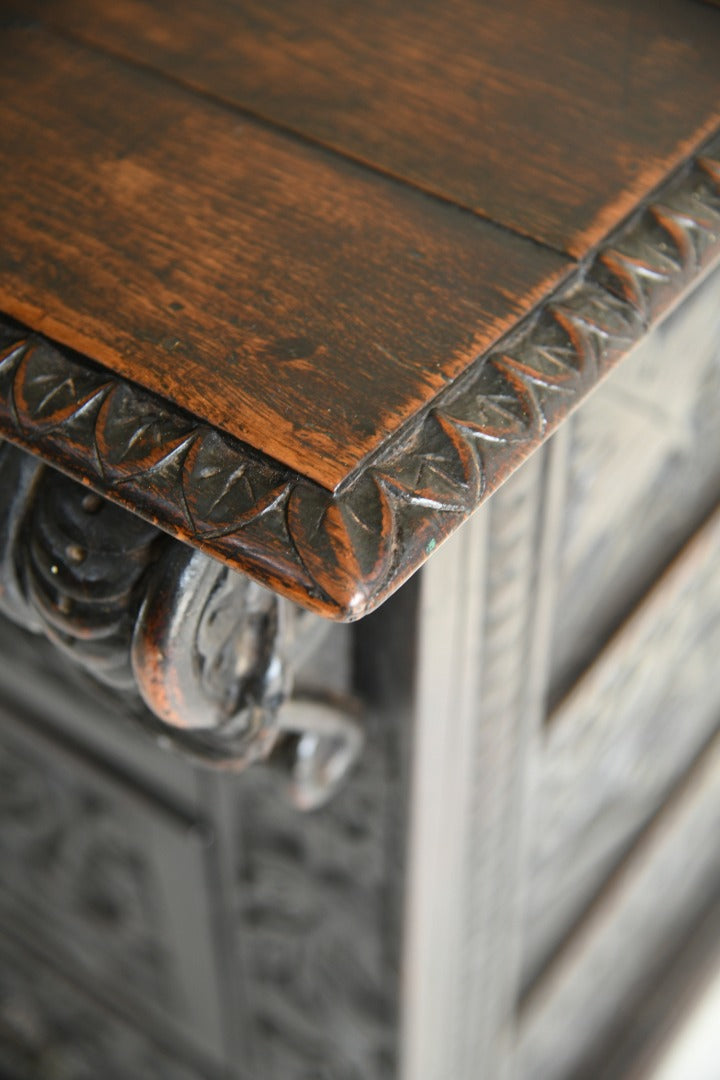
x,y
108,882
643,470
630,728
591,998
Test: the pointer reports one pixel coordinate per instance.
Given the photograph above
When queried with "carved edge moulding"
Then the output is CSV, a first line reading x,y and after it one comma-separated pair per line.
x,y
341,554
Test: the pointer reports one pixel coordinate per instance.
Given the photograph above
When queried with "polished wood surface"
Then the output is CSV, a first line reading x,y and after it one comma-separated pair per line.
x,y
287,297
347,355
552,117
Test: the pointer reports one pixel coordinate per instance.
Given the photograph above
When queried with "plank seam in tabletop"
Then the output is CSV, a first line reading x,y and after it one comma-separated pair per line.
x,y
296,134
343,554
552,118
297,301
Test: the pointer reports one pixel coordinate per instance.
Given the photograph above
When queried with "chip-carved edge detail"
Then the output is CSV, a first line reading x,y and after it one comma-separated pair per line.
x,y
342,554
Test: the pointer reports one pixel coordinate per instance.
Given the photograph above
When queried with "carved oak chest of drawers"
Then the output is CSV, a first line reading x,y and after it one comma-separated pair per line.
x,y
297,300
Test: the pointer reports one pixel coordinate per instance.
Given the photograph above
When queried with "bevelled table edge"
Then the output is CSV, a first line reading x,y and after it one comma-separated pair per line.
x,y
342,554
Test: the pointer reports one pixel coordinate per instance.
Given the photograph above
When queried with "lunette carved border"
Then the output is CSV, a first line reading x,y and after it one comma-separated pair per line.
x,y
341,554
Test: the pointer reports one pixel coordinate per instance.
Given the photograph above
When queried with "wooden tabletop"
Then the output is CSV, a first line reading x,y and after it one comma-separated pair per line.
x,y
302,283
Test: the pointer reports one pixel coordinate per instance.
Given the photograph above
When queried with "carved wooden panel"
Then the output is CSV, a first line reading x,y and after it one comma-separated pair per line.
x,y
628,731
644,469
109,882
33,672
617,956
314,918
50,1030
313,910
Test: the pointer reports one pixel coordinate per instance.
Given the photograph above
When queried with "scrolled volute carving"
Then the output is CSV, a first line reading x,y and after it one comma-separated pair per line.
x,y
210,652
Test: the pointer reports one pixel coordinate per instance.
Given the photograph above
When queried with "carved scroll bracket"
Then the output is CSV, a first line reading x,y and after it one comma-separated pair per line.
x,y
210,652
214,655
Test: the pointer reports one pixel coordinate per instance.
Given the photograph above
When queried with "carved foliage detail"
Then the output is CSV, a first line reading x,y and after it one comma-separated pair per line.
x,y
341,554
73,867
316,902
48,1029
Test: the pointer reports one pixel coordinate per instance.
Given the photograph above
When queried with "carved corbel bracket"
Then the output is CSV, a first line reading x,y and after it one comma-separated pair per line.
x,y
210,652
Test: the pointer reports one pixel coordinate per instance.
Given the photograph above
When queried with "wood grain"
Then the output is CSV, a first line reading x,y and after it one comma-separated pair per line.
x,y
293,300
552,117
666,881
342,553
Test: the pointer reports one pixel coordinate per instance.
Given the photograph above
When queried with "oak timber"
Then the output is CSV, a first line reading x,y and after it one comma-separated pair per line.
x,y
551,117
343,365
289,298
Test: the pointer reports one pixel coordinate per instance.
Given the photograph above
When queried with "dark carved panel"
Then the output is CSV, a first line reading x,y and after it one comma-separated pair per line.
x,y
75,855
102,880
569,1023
318,903
619,742
643,472
50,1031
